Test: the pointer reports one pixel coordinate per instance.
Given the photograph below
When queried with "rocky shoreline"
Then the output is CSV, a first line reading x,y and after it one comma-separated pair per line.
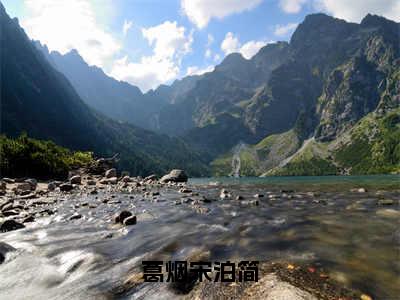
x,y
23,201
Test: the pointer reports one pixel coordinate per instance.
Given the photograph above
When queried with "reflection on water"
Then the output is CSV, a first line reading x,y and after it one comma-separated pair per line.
x,y
345,233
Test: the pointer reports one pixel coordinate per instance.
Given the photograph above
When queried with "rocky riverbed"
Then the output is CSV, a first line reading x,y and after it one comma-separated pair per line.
x,y
86,238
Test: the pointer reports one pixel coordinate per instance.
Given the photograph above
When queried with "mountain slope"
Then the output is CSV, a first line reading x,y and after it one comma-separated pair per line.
x,y
39,100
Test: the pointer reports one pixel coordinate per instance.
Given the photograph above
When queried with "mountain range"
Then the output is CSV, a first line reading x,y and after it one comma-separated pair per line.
x,y
326,102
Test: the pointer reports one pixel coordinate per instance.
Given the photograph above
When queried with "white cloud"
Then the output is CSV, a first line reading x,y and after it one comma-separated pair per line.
x,y
170,43
200,12
217,57
292,6
125,28
232,44
66,25
194,70
208,53
284,30
249,49
355,10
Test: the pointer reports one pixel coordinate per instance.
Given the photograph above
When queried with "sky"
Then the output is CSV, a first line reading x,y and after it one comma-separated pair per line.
x,y
153,42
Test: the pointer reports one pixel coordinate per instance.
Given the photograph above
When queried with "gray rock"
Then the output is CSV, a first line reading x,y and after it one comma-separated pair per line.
x,y
104,181
51,186
4,248
113,180
175,176
126,179
32,182
151,177
91,182
119,218
385,202
23,187
130,221
11,212
75,216
3,185
66,187
75,179
8,180
10,225
111,173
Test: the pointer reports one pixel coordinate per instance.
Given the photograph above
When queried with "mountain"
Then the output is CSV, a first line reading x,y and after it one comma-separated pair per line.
x,y
115,99
39,100
331,106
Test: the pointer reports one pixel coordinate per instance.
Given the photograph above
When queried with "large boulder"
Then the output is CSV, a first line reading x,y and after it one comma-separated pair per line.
x,y
111,173
32,182
10,225
75,179
119,218
175,176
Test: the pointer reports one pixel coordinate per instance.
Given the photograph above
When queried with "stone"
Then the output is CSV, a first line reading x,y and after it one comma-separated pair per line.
x,y
389,213
51,186
8,180
23,187
185,191
75,216
385,202
66,187
75,179
113,180
10,225
32,182
130,221
111,173
91,182
28,219
3,185
175,176
119,218
11,212
258,195
104,181
150,177
126,179
239,197
93,192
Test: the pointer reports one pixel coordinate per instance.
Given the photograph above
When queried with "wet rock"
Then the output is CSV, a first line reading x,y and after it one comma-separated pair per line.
x,y
75,179
10,225
93,192
104,181
156,193
29,219
175,176
258,196
66,187
386,202
11,212
91,182
358,190
111,173
4,248
126,179
150,178
113,180
388,213
32,182
185,191
239,197
130,221
3,185
51,186
8,180
23,187
119,218
75,216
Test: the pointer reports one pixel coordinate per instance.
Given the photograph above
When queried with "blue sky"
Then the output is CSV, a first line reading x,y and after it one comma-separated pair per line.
x,y
150,42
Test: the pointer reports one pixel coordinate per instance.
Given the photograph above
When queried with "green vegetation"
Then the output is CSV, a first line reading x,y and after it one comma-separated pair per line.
x,y
374,146
312,167
24,156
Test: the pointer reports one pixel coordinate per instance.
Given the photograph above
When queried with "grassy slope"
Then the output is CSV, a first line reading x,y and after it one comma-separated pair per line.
x,y
256,159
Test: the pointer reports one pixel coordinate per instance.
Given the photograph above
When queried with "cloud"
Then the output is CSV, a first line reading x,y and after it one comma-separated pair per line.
x,y
67,25
217,57
170,44
200,12
208,53
127,25
284,30
356,10
291,6
194,70
210,40
232,44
